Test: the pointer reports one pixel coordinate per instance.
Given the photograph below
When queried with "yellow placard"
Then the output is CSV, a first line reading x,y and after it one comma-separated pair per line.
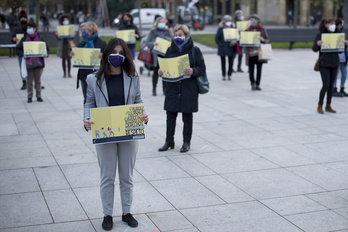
x,y
127,35
174,68
332,42
230,34
162,46
87,58
19,38
66,31
117,123
249,38
243,25
34,49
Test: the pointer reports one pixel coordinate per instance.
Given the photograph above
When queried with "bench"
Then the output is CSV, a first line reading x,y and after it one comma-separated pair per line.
x,y
294,35
49,37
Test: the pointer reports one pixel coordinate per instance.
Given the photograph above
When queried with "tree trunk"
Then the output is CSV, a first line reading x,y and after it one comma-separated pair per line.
x,y
295,19
345,11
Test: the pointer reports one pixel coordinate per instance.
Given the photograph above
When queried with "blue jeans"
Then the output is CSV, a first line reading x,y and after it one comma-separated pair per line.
x,y
343,68
20,67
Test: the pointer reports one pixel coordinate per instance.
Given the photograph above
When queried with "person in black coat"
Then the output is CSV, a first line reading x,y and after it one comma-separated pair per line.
x,y
127,24
90,39
224,47
182,96
328,65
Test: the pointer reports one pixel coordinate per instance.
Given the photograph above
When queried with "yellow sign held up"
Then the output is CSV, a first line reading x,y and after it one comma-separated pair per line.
x,y
86,58
174,68
117,123
230,34
19,38
34,49
66,31
162,46
249,38
127,35
332,42
243,25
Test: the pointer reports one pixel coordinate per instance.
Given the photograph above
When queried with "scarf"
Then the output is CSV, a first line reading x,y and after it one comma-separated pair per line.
x,y
29,38
89,41
258,27
182,45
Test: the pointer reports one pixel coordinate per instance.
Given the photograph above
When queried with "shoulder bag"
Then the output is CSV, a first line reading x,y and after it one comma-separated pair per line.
x,y
202,81
317,64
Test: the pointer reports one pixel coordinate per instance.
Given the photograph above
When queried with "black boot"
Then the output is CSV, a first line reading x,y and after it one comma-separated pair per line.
x,y
185,147
154,93
166,146
335,93
24,86
343,93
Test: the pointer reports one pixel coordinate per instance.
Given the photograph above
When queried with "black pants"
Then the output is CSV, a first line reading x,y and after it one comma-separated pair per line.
x,y
187,118
240,57
252,61
328,76
223,65
155,79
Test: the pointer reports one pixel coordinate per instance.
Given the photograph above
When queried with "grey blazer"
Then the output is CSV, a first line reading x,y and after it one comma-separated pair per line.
x,y
97,95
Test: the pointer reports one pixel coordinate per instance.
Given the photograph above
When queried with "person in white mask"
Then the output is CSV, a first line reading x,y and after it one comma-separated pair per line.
x,y
160,30
239,17
328,65
224,47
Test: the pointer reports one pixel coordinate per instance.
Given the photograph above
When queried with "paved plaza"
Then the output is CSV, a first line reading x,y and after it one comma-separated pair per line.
x,y
259,161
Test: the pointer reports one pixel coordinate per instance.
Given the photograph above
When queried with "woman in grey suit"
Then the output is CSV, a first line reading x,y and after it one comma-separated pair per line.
x,y
116,83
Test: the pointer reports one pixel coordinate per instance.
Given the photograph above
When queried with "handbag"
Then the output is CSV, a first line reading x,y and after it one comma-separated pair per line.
x,y
202,81
265,52
317,64
35,63
238,49
145,55
24,70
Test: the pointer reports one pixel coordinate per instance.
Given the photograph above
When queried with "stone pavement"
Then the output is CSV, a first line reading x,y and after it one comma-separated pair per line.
x,y
259,161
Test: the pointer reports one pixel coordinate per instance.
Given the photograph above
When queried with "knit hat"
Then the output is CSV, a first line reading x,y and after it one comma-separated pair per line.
x,y
255,16
226,18
22,14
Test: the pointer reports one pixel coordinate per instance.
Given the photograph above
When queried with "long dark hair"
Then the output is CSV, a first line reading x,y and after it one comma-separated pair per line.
x,y
128,64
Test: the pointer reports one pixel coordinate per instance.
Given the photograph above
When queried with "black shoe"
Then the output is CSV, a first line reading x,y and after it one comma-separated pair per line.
x,y
166,146
258,88
24,86
42,87
107,222
30,100
154,93
130,220
253,86
185,147
239,70
39,99
343,93
335,93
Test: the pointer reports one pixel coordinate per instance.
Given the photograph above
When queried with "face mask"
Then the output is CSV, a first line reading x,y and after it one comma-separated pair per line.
x,y
242,17
179,40
252,23
23,22
84,34
161,26
332,27
30,31
65,22
228,24
125,21
116,60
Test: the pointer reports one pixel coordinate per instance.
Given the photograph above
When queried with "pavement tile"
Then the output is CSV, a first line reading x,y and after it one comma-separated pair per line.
x,y
29,209
170,221
319,221
267,184
82,175
191,192
90,201
293,205
51,178
192,166
330,200
80,226
18,181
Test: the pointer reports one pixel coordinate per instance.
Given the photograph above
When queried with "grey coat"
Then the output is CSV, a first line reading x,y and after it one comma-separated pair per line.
x,y
97,95
151,38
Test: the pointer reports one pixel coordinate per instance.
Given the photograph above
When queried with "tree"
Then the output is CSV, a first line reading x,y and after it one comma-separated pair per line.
x,y
13,4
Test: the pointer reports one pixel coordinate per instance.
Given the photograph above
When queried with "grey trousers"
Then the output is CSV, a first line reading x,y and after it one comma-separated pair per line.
x,y
111,156
34,75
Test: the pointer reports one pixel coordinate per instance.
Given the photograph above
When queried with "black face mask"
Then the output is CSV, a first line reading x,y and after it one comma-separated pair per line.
x,y
126,21
23,22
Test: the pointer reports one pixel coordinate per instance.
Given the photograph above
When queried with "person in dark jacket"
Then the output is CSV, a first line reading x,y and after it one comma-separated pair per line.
x,y
90,39
239,17
328,66
35,65
224,47
127,24
63,49
20,29
182,96
253,54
